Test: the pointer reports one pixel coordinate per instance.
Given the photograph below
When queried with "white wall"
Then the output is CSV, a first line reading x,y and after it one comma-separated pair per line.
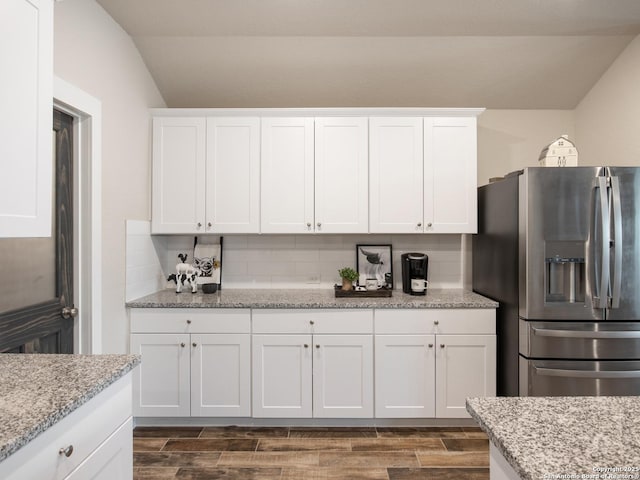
x,y
92,52
509,140
608,117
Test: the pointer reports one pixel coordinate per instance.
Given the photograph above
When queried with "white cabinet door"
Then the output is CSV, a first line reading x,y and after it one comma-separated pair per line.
x,y
405,376
395,175
233,175
112,459
341,175
450,171
178,186
465,367
342,376
282,368
287,175
220,375
161,384
26,83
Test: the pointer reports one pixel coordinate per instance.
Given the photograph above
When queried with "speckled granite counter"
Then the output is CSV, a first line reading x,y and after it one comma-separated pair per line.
x,y
542,437
310,298
37,391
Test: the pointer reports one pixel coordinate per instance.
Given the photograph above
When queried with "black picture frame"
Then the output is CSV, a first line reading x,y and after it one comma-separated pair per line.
x,y
375,261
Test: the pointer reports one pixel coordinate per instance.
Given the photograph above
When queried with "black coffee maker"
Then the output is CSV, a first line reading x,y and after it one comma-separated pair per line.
x,y
414,273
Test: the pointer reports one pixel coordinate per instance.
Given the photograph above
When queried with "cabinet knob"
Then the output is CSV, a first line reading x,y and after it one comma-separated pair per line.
x,y
431,345
436,322
189,322
311,322
429,224
66,451
194,344
419,224
182,344
209,224
442,345
306,345
309,225
199,224
319,224
317,346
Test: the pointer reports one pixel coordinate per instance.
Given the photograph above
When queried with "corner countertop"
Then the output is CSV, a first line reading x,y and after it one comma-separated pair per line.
x,y
37,391
542,437
309,298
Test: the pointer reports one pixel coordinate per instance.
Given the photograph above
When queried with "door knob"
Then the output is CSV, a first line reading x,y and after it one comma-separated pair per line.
x,y
69,312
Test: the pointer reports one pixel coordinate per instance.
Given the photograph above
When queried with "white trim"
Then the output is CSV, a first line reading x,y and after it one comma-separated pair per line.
x,y
318,112
87,110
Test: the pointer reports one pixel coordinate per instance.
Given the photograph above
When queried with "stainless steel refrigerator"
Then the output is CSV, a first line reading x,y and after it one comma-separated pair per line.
x,y
559,249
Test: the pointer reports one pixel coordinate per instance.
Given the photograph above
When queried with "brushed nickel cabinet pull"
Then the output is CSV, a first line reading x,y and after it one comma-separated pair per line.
x,y
66,451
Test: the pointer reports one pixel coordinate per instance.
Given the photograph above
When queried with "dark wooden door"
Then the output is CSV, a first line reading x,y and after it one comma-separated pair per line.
x,y
38,272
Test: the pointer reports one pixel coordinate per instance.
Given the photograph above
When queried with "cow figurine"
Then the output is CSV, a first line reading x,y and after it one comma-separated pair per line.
x,y
185,273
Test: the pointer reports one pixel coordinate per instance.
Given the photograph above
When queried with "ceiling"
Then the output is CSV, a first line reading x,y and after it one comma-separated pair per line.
x,y
529,54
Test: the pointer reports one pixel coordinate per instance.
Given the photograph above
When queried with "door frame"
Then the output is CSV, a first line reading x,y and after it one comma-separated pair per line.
x,y
87,113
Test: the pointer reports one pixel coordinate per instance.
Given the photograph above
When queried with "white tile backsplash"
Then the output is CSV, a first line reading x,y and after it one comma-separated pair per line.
x,y
143,256
283,261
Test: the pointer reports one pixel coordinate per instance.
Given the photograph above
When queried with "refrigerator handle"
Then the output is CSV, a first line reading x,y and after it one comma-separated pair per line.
x,y
602,284
617,242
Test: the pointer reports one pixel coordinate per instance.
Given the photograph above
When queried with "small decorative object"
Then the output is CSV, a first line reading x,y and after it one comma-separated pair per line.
x,y
375,261
559,153
185,273
206,257
371,283
209,287
348,275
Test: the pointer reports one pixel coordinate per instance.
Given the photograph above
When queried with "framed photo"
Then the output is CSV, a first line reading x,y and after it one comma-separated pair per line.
x,y
375,262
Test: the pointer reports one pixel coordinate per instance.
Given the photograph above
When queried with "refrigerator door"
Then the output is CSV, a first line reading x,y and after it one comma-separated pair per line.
x,y
560,243
625,245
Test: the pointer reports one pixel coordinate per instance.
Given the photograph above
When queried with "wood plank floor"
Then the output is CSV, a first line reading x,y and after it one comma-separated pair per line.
x,y
281,453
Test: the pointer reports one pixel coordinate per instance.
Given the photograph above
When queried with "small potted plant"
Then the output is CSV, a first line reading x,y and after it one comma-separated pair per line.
x,y
348,275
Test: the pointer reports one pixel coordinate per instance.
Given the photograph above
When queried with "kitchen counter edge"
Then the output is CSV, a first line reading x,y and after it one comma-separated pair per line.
x,y
309,299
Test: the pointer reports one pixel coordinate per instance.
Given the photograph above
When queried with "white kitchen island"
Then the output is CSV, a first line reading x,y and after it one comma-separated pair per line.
x,y
66,416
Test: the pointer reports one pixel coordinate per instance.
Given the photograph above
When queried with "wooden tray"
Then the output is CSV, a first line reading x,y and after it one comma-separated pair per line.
x,y
382,292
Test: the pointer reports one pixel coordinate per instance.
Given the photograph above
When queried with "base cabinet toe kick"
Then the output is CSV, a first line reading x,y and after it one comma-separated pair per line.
x,y
270,365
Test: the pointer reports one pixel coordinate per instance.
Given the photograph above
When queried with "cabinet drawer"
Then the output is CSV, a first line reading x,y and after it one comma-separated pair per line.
x,y
436,321
312,321
85,429
190,320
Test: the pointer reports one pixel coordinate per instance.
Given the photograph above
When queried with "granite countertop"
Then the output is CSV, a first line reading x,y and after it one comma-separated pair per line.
x,y
542,437
37,391
310,298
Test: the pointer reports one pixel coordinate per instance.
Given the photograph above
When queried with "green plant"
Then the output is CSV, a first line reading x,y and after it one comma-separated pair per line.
x,y
348,273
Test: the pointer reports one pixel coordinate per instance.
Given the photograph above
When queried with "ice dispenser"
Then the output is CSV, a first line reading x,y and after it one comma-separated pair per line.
x,y
564,272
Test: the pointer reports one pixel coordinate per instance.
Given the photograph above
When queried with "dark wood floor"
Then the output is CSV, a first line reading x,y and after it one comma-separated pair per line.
x,y
239,453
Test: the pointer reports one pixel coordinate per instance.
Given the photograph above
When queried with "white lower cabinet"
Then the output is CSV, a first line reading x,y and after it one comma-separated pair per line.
x,y
204,371
312,363
322,369
429,361
405,376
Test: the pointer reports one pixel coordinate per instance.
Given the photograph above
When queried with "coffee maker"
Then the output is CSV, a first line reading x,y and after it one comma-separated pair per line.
x,y
414,273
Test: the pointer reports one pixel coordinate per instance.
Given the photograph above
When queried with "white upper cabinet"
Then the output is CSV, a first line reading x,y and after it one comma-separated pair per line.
x,y
227,171
395,175
341,175
26,83
178,185
233,175
287,175
206,175
423,175
450,175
